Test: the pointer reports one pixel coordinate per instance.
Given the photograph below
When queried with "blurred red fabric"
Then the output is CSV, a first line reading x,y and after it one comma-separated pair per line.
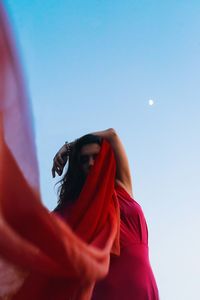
x,y
40,256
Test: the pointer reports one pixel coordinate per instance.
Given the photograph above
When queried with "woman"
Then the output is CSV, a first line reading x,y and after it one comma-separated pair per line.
x,y
130,275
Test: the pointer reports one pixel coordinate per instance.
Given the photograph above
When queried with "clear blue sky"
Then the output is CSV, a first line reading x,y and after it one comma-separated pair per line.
x,y
95,64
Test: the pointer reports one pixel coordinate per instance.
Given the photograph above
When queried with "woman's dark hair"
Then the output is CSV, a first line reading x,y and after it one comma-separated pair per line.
x,y
73,180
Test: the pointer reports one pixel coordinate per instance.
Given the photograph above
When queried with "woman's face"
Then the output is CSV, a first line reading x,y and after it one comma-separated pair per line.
x,y
88,154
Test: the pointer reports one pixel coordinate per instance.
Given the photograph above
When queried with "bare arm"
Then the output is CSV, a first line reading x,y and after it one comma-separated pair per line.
x,y
123,174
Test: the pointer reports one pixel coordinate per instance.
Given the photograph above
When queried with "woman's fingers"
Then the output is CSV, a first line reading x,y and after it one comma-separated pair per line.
x,y
56,169
58,165
59,161
53,171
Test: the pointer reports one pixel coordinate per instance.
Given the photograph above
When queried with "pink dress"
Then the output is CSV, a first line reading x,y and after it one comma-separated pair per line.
x,y
130,275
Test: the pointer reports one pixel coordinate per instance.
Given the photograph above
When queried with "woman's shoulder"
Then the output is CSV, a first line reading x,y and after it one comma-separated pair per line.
x,y
121,188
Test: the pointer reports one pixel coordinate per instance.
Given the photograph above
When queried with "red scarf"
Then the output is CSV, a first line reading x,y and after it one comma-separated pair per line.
x,y
41,257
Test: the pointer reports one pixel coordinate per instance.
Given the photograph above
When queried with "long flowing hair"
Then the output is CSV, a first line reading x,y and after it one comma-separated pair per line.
x,y
73,180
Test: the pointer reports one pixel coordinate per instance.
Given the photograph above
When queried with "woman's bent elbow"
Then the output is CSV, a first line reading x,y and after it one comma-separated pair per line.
x,y
112,132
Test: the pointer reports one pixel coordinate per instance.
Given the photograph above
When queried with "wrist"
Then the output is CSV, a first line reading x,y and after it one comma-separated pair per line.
x,y
69,146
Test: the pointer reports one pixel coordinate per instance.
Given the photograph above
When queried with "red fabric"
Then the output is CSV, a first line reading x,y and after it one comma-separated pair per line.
x,y
40,256
82,264
89,215
130,274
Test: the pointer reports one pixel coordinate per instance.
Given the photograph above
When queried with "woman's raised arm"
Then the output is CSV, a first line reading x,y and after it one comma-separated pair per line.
x,y
123,174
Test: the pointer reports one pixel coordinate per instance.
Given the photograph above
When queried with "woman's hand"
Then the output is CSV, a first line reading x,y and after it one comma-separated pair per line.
x,y
60,160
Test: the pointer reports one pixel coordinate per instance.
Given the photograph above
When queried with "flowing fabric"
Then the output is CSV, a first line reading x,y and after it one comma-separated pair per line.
x,y
130,274
61,256
41,257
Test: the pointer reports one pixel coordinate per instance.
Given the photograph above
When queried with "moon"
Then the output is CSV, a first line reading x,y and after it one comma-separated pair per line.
x,y
151,102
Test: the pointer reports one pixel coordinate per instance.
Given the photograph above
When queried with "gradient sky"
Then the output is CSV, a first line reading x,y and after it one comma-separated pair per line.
x,y
94,64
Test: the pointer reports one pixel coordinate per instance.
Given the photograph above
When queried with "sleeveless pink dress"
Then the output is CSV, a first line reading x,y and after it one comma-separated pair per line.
x,y
130,275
